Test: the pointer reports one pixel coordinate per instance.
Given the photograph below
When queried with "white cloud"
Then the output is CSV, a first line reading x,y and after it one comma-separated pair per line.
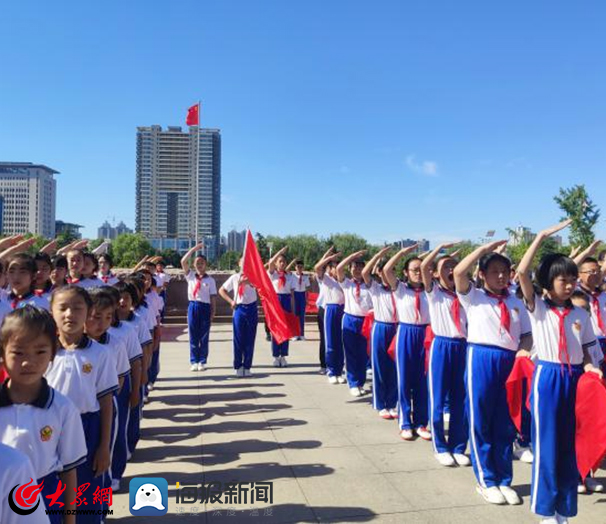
x,y
425,167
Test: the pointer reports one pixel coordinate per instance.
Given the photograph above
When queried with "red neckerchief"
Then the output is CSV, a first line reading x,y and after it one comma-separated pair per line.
x,y
48,288
418,291
71,280
455,309
562,343
393,303
505,316
301,280
106,278
595,305
241,287
197,286
15,299
281,279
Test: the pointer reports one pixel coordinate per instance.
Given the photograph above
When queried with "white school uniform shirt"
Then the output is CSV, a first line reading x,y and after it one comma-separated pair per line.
x,y
117,346
125,331
601,304
546,332
208,287
108,280
275,280
88,283
440,304
147,315
140,328
153,299
5,309
383,303
333,294
232,284
49,430
299,283
30,299
84,375
320,298
16,469
354,305
405,303
162,279
484,319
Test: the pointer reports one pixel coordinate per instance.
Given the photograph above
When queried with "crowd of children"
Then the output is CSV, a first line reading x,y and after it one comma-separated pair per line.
x,y
79,355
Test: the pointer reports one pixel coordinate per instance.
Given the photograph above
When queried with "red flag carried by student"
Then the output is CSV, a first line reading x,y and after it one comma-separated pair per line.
x,y
591,423
283,325
193,115
521,374
369,320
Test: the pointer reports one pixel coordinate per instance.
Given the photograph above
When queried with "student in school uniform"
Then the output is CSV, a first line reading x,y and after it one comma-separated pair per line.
x,y
283,285
105,274
202,296
59,271
16,469
42,281
562,335
85,372
90,267
21,274
413,319
334,300
358,304
34,417
320,323
162,279
498,328
300,284
446,372
385,325
243,301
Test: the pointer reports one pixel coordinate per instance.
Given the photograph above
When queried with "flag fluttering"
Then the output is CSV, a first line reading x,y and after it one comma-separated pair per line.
x,y
283,325
193,115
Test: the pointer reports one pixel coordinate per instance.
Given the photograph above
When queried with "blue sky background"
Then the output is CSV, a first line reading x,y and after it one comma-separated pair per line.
x,y
389,119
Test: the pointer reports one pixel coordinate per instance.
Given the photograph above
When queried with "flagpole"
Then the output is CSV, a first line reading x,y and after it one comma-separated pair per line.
x,y
197,220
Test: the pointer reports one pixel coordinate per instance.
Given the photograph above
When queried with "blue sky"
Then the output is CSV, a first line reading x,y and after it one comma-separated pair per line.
x,y
390,119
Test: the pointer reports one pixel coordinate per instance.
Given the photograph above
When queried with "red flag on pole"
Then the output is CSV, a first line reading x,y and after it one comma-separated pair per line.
x,y
283,325
193,116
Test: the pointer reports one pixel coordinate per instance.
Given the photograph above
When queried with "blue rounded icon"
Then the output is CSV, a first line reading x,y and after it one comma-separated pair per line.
x,y
148,496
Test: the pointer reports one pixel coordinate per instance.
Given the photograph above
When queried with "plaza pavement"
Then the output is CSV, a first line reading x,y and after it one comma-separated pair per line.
x,y
329,456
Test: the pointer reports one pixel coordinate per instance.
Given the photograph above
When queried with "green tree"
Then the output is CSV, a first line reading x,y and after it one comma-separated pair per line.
x,y
129,248
576,205
229,260
348,243
94,244
170,257
64,238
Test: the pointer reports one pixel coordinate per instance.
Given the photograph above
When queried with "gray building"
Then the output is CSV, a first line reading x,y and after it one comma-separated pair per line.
x,y
235,240
407,242
68,227
179,187
28,192
109,232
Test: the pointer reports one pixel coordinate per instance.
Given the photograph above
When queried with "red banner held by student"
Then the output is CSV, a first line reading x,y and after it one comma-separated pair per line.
x,y
193,116
283,325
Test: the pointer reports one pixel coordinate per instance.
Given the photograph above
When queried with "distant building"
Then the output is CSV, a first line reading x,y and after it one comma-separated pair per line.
x,y
521,235
29,193
558,240
109,232
68,227
235,240
407,242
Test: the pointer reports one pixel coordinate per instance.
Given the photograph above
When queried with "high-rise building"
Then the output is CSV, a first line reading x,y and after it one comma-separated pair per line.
x,y
235,240
179,187
28,192
423,245
109,232
521,235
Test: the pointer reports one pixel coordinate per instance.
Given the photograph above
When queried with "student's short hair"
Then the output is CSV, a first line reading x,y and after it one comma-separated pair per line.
x,y
491,258
71,290
101,299
298,262
59,261
31,321
588,260
602,256
128,288
409,261
161,263
112,292
332,263
358,262
577,293
150,265
108,258
44,258
555,265
25,261
443,259
91,256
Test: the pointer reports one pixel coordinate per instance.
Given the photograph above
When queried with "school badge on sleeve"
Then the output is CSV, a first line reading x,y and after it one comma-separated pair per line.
x,y
46,433
87,367
577,325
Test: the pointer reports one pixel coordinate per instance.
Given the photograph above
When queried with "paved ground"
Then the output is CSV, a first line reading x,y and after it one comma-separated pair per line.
x,y
330,458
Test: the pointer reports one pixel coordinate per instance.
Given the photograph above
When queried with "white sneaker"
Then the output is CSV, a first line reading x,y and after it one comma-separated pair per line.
x,y
341,380
492,495
240,372
283,362
363,391
146,400
446,416
385,414
424,433
150,387
561,518
247,373
549,520
354,392
277,362
593,486
445,459
581,489
201,367
510,495
407,434
523,454
394,413
194,367
461,459
369,373
322,371
332,380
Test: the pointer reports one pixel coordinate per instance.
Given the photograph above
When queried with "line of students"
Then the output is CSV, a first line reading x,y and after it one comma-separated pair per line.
x,y
78,358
